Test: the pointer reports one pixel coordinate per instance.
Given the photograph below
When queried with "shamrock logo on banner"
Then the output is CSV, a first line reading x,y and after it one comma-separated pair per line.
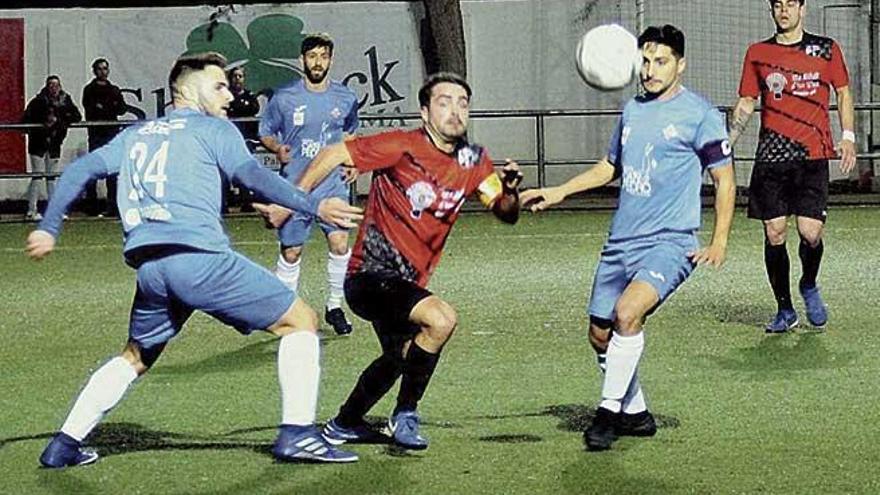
x,y
268,57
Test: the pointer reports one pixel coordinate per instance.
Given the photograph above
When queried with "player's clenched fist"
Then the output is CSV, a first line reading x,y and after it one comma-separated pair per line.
x,y
39,244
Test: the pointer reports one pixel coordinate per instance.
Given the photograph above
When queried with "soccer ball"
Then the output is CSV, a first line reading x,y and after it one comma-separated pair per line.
x,y
608,57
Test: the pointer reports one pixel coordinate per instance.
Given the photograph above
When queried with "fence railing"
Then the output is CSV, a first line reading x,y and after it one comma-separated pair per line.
x,y
539,117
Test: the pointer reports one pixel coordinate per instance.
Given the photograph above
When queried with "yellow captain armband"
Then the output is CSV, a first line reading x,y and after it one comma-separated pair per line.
x,y
490,189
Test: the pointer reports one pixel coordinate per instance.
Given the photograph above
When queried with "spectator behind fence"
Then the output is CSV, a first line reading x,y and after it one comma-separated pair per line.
x,y
102,100
244,104
55,110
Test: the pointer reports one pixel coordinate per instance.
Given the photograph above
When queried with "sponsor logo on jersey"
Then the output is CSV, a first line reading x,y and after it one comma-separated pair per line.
x,y
309,148
638,181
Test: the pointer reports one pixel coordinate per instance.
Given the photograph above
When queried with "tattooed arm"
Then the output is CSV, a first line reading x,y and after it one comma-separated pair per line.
x,y
740,116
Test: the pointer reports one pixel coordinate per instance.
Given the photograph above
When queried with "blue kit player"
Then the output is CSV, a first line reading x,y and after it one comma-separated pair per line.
x,y
169,174
663,142
307,115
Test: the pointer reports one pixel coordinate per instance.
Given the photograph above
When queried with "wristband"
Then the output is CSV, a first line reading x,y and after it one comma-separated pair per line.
x,y
848,135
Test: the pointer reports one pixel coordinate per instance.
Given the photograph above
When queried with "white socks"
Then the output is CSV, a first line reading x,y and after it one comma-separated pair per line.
x,y
299,372
103,391
288,273
622,360
337,264
634,399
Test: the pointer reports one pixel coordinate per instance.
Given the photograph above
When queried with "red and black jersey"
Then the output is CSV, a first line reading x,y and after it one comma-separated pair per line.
x,y
415,197
794,84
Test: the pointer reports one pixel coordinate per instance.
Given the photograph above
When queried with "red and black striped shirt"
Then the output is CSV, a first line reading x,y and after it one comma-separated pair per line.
x,y
794,83
415,197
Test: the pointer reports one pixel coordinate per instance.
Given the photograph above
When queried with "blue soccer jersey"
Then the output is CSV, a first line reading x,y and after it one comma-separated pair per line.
x,y
169,185
308,121
660,149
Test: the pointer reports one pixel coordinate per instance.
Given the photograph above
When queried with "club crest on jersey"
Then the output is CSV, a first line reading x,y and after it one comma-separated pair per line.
x,y
776,83
336,113
299,115
670,132
421,195
468,156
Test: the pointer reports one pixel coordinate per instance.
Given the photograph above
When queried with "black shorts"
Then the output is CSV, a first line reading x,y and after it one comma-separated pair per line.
x,y
789,188
384,301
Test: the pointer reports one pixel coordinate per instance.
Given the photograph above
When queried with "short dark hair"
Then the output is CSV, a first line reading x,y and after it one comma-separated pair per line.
x,y
53,76
316,40
667,34
437,78
99,61
186,64
771,2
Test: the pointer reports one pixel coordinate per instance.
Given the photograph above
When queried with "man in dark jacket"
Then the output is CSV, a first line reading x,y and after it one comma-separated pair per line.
x,y
245,104
102,100
55,111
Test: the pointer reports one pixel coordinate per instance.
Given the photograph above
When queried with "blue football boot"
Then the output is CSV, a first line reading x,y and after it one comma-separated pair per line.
x,y
65,451
785,320
305,444
404,426
817,312
336,434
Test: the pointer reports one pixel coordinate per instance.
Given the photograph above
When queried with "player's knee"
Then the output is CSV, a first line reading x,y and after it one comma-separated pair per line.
x,y
141,359
442,321
299,317
291,254
338,245
774,234
628,320
811,237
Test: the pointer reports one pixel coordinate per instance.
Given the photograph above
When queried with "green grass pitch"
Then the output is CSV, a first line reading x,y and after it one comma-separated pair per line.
x,y
739,411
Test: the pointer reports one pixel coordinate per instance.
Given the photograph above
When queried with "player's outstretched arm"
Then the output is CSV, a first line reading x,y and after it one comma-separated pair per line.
x,y
725,196
70,186
739,118
596,176
324,163
847,145
272,188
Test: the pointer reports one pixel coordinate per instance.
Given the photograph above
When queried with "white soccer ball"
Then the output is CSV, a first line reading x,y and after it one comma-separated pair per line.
x,y
608,57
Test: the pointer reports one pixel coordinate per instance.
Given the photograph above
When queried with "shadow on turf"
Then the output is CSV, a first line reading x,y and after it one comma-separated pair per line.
x,y
775,356
573,417
111,439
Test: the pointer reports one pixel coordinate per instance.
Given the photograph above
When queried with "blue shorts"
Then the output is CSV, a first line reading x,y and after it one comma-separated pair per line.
x,y
226,285
660,260
295,231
